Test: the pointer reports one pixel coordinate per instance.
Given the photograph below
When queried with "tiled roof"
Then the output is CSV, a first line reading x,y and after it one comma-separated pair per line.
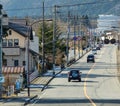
x,y
12,70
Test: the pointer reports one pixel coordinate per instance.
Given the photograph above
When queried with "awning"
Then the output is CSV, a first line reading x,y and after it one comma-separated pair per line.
x,y
12,70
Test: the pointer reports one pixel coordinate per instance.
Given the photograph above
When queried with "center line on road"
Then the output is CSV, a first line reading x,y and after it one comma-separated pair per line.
x,y
85,87
85,84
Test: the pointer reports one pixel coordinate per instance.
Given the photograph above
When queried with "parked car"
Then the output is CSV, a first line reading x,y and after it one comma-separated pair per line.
x,y
94,51
90,58
74,75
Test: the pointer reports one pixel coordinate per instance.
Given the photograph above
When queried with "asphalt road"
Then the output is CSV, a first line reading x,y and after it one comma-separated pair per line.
x,y
99,86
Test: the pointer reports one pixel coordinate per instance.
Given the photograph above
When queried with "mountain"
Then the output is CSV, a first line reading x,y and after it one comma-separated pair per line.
x,y
22,8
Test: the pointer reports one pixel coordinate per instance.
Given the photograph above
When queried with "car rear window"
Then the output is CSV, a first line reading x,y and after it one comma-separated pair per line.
x,y
74,71
94,50
91,56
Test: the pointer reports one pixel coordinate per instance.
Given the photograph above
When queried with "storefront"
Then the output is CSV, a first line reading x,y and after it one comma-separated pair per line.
x,y
13,79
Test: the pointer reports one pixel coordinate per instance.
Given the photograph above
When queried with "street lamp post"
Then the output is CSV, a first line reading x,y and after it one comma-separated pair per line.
x,y
3,24
27,50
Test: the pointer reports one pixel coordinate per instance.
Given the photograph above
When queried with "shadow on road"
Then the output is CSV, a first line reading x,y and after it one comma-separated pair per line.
x,y
75,100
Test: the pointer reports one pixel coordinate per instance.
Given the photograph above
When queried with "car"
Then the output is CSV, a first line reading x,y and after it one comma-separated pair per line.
x,y
90,58
97,48
74,75
94,51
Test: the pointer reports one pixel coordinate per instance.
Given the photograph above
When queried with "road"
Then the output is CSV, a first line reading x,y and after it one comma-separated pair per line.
x,y
99,86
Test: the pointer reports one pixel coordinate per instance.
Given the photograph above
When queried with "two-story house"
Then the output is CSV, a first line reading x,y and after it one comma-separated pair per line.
x,y
19,50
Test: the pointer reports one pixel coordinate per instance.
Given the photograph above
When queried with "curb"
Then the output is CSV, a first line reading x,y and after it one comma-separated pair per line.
x,y
51,80
28,101
79,58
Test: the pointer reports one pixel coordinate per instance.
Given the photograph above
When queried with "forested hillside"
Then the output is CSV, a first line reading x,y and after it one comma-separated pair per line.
x,y
24,8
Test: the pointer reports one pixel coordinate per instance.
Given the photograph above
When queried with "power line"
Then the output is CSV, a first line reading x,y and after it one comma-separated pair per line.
x,y
19,9
67,5
89,3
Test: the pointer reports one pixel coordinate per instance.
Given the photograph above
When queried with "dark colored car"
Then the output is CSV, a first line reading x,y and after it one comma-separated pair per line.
x,y
90,58
97,48
74,75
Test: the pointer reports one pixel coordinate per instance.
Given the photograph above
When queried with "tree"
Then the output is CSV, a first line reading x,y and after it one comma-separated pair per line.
x,y
48,32
48,40
86,21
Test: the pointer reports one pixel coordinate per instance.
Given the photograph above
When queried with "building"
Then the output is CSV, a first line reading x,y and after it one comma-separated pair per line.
x,y
106,22
19,52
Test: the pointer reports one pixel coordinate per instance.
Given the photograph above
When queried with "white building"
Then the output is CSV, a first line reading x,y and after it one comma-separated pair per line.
x,y
106,22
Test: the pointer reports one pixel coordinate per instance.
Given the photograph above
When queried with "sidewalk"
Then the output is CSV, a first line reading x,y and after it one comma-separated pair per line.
x,y
38,84
36,88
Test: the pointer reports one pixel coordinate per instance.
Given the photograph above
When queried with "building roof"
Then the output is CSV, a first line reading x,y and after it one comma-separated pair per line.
x,y
12,70
22,29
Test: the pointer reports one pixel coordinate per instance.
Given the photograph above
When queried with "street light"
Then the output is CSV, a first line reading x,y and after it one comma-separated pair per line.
x,y
27,47
3,25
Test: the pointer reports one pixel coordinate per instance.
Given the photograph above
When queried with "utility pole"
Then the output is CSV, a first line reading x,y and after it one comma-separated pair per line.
x,y
74,37
27,58
118,41
43,55
81,41
1,30
3,25
54,35
68,35
78,37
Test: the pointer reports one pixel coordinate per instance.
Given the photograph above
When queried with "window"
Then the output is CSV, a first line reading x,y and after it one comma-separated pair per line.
x,y
10,32
10,42
24,63
4,62
16,42
16,62
4,43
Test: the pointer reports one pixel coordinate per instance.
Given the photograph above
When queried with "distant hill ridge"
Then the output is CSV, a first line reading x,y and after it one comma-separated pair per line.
x,y
22,8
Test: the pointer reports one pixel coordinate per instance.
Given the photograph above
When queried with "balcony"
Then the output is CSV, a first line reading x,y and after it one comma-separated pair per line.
x,y
10,51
